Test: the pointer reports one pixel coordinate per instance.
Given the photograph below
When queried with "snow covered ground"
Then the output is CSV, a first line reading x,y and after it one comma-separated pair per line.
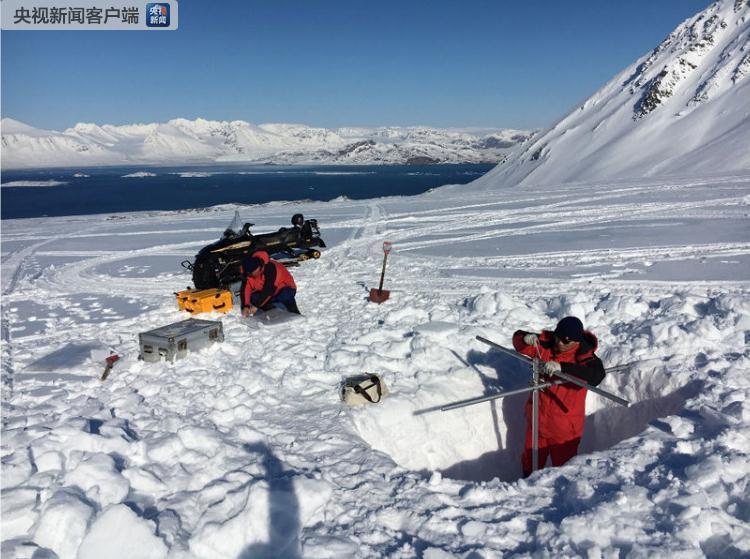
x,y
244,450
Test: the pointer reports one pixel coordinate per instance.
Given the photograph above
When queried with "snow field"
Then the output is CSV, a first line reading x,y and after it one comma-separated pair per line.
x,y
244,450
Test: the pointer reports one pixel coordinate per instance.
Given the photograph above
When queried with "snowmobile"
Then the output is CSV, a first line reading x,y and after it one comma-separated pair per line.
x,y
218,264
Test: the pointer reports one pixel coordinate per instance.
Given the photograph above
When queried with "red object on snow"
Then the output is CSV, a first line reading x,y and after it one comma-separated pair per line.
x,y
380,295
109,363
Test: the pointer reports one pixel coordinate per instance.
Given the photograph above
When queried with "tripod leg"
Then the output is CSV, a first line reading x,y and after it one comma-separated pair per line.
x,y
535,431
535,369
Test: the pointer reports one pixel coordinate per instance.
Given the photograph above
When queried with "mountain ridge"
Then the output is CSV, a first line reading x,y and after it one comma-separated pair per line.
x,y
204,141
680,109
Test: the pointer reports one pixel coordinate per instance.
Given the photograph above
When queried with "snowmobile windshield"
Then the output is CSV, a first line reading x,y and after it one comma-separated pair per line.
x,y
235,226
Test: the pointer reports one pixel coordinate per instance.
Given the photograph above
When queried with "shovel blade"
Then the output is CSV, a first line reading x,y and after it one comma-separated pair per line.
x,y
379,295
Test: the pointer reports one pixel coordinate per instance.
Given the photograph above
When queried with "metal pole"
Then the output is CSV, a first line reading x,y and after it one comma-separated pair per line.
x,y
535,421
472,401
622,367
511,352
568,378
594,389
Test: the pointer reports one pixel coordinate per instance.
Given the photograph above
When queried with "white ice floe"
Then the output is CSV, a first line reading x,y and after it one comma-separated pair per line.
x,y
34,184
139,175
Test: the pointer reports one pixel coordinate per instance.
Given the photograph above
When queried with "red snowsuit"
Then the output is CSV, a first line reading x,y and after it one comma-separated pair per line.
x,y
562,407
273,278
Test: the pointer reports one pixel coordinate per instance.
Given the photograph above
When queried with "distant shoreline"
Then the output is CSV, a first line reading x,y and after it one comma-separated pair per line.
x,y
91,191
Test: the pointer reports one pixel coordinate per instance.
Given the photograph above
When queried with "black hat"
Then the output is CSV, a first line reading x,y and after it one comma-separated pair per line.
x,y
250,264
569,328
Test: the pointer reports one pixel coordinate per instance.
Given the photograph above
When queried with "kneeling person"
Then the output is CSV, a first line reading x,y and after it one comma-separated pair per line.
x,y
265,283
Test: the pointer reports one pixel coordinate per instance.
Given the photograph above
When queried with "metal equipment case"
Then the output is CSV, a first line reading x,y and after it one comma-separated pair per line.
x,y
204,300
175,340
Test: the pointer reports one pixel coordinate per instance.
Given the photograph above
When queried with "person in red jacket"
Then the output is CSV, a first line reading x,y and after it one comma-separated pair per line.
x,y
265,283
562,407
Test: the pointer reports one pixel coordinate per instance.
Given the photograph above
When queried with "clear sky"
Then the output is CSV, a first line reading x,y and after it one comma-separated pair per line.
x,y
501,63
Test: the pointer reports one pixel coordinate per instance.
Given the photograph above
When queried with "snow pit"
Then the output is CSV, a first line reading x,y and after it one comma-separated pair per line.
x,y
446,364
485,441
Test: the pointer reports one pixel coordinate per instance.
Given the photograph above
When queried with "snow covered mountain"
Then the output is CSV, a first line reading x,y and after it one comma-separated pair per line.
x,y
203,141
681,109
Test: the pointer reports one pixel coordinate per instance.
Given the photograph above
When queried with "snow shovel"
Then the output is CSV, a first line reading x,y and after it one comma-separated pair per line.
x,y
109,362
380,295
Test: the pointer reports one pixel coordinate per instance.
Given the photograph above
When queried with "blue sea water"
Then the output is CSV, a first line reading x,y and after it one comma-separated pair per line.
x,y
58,192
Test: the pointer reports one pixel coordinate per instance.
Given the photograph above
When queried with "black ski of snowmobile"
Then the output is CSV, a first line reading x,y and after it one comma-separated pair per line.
x,y
218,264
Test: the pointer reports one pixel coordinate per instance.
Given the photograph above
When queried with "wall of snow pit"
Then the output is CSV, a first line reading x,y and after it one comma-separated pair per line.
x,y
441,362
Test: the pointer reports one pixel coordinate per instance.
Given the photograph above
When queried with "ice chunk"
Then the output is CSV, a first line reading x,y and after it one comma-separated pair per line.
x,y
118,533
18,511
99,478
64,522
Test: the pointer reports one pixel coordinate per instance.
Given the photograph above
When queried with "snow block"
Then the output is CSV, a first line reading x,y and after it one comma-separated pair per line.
x,y
64,523
97,475
118,533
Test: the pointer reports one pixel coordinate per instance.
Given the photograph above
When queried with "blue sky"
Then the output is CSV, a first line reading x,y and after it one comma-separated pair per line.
x,y
441,63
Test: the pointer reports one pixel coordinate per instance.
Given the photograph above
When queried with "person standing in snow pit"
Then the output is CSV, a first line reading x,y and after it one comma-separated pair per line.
x,y
562,407
266,284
